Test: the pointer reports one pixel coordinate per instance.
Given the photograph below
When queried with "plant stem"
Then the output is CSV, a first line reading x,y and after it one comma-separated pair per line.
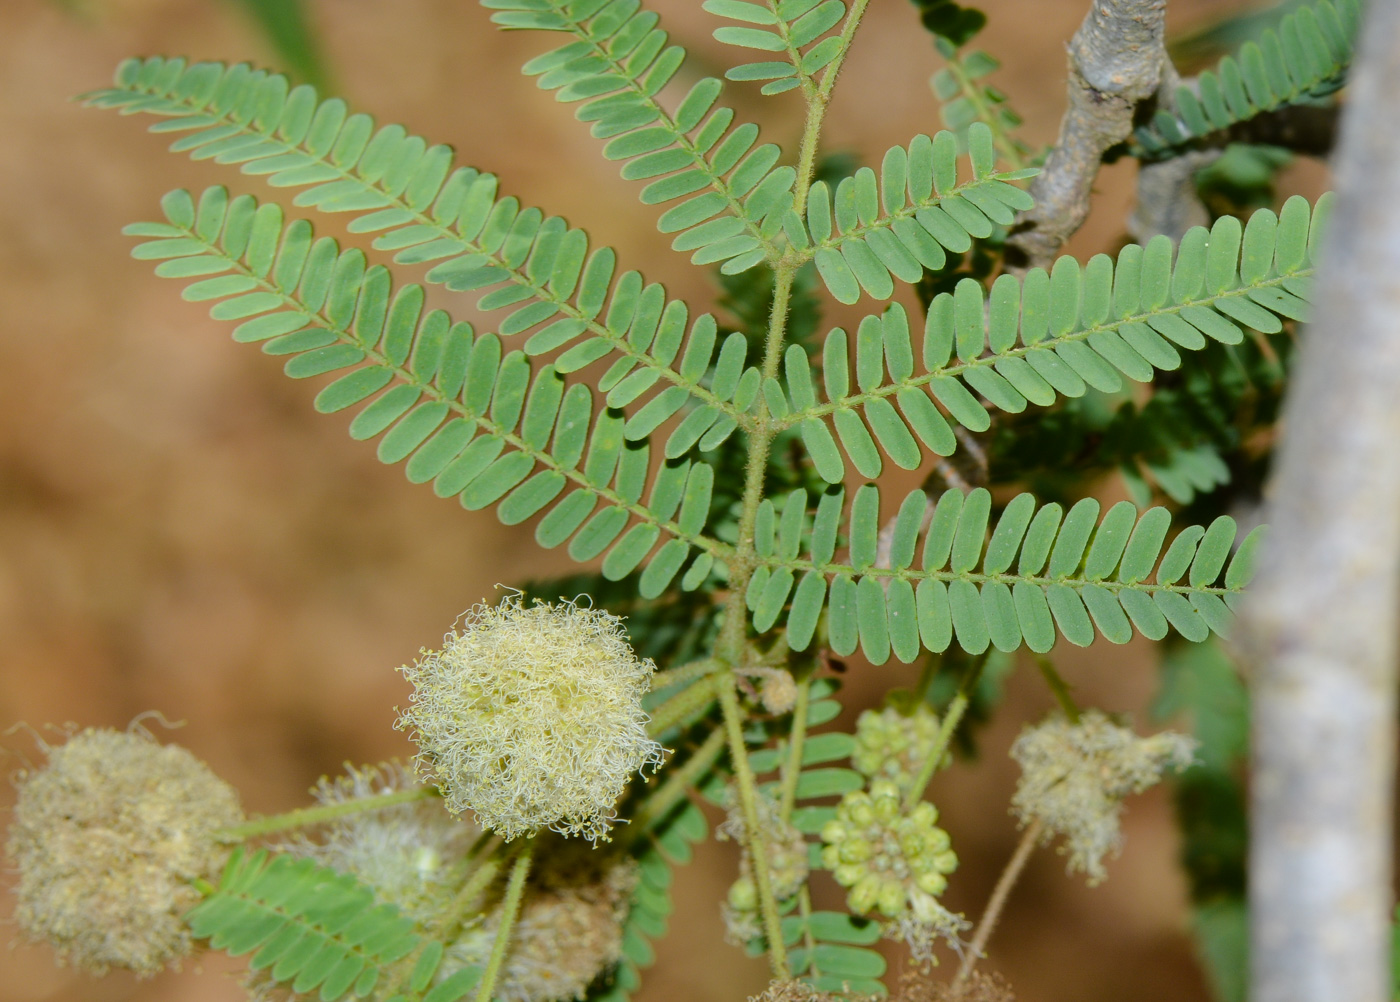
x,y
797,737
510,909
816,110
997,902
304,816
689,701
951,718
1060,688
678,780
731,645
741,563
682,675
758,851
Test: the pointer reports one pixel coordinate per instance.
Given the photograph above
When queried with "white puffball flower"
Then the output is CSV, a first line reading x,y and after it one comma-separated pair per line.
x,y
532,717
1074,778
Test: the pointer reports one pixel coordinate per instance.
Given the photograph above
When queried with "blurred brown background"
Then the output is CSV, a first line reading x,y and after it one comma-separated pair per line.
x,y
180,531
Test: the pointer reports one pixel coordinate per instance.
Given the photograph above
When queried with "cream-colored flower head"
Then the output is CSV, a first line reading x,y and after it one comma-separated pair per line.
x,y
569,930
408,854
532,717
108,838
1074,778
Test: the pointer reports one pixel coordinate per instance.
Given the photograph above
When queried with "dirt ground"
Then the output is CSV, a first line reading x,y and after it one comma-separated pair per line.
x,y
179,531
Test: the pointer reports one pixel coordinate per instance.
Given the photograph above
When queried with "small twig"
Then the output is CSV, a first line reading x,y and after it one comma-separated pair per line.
x,y
997,902
1060,688
952,717
753,831
305,816
1116,61
797,737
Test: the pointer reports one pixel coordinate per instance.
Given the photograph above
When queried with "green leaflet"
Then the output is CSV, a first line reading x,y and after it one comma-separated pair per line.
x,y
475,421
784,29
423,211
1077,574
311,927
614,66
1050,335
902,223
965,99
1305,59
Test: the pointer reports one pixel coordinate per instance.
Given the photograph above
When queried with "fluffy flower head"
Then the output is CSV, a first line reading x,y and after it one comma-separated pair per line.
x,y
532,717
408,854
1074,778
108,837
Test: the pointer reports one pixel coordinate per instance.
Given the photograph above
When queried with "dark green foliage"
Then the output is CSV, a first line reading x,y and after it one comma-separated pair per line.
x,y
951,21
1305,60
287,27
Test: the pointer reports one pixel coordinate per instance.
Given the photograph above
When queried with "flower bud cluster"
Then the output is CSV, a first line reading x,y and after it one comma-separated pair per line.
x,y
1075,777
893,862
788,867
532,717
891,744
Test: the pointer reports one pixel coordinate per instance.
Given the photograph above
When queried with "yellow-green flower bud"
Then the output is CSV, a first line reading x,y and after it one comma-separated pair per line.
x,y
865,894
109,838
892,897
855,850
784,846
532,718
891,745
888,859
743,895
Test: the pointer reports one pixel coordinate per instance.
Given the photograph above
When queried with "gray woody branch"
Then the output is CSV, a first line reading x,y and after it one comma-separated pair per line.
x,y
1116,61
1320,621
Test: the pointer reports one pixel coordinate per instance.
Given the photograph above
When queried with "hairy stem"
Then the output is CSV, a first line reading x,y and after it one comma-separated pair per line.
x,y
758,851
733,633
691,700
304,816
797,737
682,675
510,910
996,904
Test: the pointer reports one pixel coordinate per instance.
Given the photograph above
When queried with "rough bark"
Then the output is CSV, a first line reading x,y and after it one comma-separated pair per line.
x,y
1116,61
1320,622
